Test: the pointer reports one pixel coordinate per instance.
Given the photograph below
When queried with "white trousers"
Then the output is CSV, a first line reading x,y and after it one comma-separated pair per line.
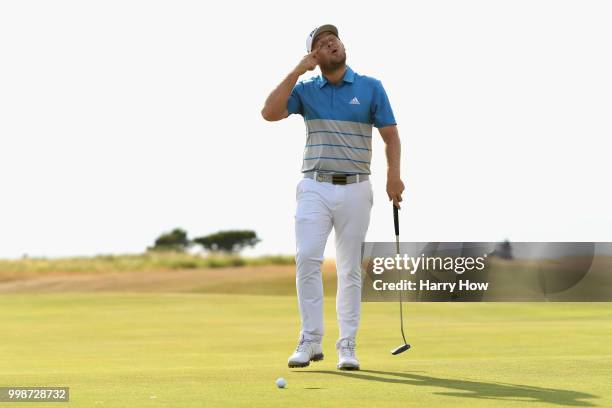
x,y
346,208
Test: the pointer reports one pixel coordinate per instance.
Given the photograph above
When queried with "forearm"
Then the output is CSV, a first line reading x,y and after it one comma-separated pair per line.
x,y
393,152
276,103
395,185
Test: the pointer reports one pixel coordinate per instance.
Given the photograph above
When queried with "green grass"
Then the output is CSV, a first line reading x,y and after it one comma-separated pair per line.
x,y
194,350
148,261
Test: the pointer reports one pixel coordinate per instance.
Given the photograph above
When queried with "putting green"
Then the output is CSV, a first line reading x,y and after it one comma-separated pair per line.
x,y
194,350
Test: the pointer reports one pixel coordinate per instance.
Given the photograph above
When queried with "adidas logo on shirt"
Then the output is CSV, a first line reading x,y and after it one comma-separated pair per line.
x,y
354,101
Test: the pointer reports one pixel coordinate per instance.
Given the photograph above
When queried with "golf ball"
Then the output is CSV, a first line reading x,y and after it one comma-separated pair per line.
x,y
280,382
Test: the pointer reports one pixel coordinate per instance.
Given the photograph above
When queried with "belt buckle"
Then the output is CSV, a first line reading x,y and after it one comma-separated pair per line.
x,y
319,177
339,178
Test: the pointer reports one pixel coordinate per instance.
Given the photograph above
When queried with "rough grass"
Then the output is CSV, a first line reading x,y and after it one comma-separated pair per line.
x,y
149,261
261,280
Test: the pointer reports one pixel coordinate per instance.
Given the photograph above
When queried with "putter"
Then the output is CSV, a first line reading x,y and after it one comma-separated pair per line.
x,y
404,346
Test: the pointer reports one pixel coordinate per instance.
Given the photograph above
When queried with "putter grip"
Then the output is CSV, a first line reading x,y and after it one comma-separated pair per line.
x,y
396,220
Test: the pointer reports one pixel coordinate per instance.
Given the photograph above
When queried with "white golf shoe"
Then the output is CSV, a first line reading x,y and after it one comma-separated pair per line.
x,y
305,352
347,360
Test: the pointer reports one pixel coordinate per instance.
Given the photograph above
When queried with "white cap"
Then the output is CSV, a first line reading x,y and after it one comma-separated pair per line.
x,y
313,34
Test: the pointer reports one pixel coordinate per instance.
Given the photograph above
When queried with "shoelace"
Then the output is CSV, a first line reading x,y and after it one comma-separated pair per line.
x,y
303,345
347,350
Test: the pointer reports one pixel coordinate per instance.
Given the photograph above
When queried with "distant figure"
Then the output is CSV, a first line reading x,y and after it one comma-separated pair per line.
x,y
503,250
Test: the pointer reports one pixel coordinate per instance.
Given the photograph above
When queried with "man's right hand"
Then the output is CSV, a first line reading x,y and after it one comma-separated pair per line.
x,y
275,107
308,63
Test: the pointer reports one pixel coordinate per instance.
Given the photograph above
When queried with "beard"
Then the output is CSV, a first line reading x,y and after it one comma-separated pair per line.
x,y
331,66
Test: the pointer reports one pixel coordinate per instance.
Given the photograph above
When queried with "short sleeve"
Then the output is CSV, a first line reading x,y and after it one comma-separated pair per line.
x,y
294,104
382,114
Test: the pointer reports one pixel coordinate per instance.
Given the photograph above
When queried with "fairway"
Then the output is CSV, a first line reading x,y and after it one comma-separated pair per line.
x,y
215,350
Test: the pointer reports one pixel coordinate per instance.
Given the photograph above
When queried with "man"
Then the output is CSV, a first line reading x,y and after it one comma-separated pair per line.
x,y
339,108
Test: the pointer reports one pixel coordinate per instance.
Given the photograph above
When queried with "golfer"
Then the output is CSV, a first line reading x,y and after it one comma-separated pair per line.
x,y
339,109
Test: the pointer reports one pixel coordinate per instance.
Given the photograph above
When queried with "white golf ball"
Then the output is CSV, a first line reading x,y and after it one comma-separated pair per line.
x,y
280,382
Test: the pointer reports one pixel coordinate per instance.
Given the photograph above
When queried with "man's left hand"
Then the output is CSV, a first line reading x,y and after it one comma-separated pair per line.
x,y
395,188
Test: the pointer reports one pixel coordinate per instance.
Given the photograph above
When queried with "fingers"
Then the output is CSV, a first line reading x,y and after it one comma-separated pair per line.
x,y
313,58
395,188
311,55
396,198
309,62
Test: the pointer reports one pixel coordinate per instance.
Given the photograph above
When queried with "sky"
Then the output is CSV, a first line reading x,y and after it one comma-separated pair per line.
x,y
121,120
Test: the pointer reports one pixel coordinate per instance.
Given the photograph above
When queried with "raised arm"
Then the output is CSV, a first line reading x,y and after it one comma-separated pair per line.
x,y
275,107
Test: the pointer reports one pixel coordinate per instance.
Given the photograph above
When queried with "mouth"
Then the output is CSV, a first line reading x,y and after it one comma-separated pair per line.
x,y
334,51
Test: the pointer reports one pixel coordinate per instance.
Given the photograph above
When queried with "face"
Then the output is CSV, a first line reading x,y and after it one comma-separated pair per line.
x,y
330,51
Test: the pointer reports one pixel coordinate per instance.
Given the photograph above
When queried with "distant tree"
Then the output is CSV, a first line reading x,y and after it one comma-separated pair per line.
x,y
228,241
175,240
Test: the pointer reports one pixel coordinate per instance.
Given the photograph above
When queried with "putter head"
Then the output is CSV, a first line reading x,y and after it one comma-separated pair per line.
x,y
400,349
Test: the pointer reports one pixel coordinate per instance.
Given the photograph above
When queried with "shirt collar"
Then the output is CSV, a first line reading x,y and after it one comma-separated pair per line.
x,y
349,76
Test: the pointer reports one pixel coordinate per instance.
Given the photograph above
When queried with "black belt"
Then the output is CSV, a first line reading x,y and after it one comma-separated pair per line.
x,y
336,178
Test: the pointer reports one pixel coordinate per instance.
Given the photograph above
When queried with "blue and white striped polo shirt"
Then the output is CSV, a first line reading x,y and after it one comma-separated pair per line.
x,y
339,121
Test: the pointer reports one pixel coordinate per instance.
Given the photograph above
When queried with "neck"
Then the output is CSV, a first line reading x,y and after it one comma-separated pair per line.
x,y
336,75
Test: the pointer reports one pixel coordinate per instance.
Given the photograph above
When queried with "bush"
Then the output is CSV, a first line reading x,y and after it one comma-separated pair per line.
x,y
176,240
228,241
